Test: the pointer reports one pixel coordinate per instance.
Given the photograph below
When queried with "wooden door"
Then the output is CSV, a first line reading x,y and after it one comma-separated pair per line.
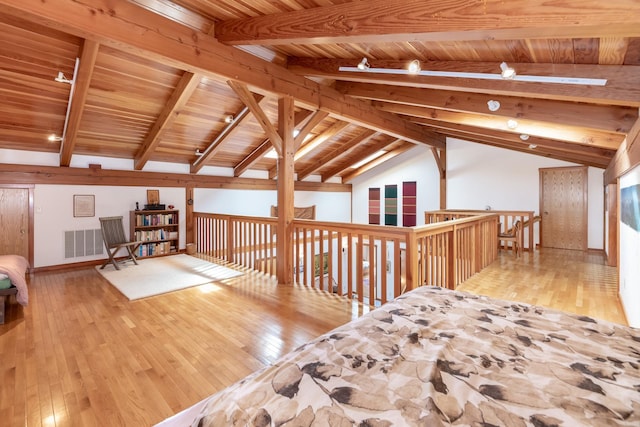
x,y
14,222
563,204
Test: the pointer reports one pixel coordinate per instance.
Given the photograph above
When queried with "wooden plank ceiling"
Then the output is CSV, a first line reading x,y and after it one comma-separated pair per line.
x,y
194,81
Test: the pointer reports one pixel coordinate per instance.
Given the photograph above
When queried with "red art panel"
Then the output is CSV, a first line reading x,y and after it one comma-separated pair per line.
x,y
409,198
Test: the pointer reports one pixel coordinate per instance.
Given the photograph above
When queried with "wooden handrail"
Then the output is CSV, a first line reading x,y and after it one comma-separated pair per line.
x,y
506,221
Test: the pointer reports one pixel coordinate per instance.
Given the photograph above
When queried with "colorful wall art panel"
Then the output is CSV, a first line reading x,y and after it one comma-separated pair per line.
x,y
409,204
390,205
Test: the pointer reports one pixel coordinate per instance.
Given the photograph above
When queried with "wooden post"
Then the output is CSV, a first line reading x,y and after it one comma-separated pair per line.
x,y
611,240
443,178
440,156
452,253
411,259
284,244
190,237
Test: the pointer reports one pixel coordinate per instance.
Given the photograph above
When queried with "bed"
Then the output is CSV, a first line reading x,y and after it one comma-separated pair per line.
x,y
436,357
13,269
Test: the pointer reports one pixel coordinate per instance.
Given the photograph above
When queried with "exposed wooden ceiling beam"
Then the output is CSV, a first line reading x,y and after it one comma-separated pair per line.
x,y
626,157
314,121
183,47
566,147
385,141
386,21
265,147
592,137
187,84
261,117
344,148
575,153
314,143
376,162
524,148
604,117
239,118
80,88
319,139
622,88
37,174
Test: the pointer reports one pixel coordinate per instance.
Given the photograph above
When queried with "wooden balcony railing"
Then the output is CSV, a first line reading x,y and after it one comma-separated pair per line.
x,y
370,263
506,221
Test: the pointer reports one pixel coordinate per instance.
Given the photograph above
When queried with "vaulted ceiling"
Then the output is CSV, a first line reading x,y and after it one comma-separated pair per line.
x,y
197,81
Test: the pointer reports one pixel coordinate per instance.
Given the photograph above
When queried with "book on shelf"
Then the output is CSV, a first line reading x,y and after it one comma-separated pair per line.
x,y
147,220
148,235
150,249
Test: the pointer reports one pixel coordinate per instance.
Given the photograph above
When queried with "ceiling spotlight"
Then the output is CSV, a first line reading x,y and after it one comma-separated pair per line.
x,y
229,119
54,138
512,124
414,67
296,132
493,105
524,136
532,146
198,152
363,65
507,72
62,79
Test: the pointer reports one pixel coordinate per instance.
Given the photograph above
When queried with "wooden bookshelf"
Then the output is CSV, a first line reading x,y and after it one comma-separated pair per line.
x,y
158,229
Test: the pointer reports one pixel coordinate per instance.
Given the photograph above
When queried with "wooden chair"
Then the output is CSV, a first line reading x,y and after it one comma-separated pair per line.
x,y
514,235
307,212
115,239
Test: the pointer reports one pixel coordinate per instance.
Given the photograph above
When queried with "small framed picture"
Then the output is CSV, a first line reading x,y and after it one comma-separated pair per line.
x,y
84,205
153,197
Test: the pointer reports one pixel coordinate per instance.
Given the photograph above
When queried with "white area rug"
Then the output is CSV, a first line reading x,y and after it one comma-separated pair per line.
x,y
155,276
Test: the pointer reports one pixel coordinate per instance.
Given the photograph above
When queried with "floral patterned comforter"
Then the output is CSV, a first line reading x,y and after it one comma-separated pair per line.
x,y
435,357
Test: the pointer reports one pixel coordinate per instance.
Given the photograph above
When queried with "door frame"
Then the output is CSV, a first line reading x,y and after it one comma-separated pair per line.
x,y
30,208
585,196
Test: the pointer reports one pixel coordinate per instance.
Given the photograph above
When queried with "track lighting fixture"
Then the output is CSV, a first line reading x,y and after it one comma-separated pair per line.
x,y
414,67
493,105
524,136
364,64
533,146
62,79
512,124
54,138
508,73
229,119
198,152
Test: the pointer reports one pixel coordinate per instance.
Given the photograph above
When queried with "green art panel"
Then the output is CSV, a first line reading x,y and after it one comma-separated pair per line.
x,y
390,205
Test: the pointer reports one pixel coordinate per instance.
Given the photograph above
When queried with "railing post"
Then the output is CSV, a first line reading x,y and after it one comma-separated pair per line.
x,y
230,234
411,257
452,256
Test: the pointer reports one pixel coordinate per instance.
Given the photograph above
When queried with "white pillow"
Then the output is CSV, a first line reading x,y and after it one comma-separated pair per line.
x,y
3,276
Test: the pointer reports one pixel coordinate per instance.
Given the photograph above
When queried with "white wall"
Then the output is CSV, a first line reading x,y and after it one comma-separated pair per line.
x,y
330,206
53,212
629,278
480,175
477,176
417,165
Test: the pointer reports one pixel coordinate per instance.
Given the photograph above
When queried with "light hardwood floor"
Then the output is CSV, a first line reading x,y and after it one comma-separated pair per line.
x,y
82,354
